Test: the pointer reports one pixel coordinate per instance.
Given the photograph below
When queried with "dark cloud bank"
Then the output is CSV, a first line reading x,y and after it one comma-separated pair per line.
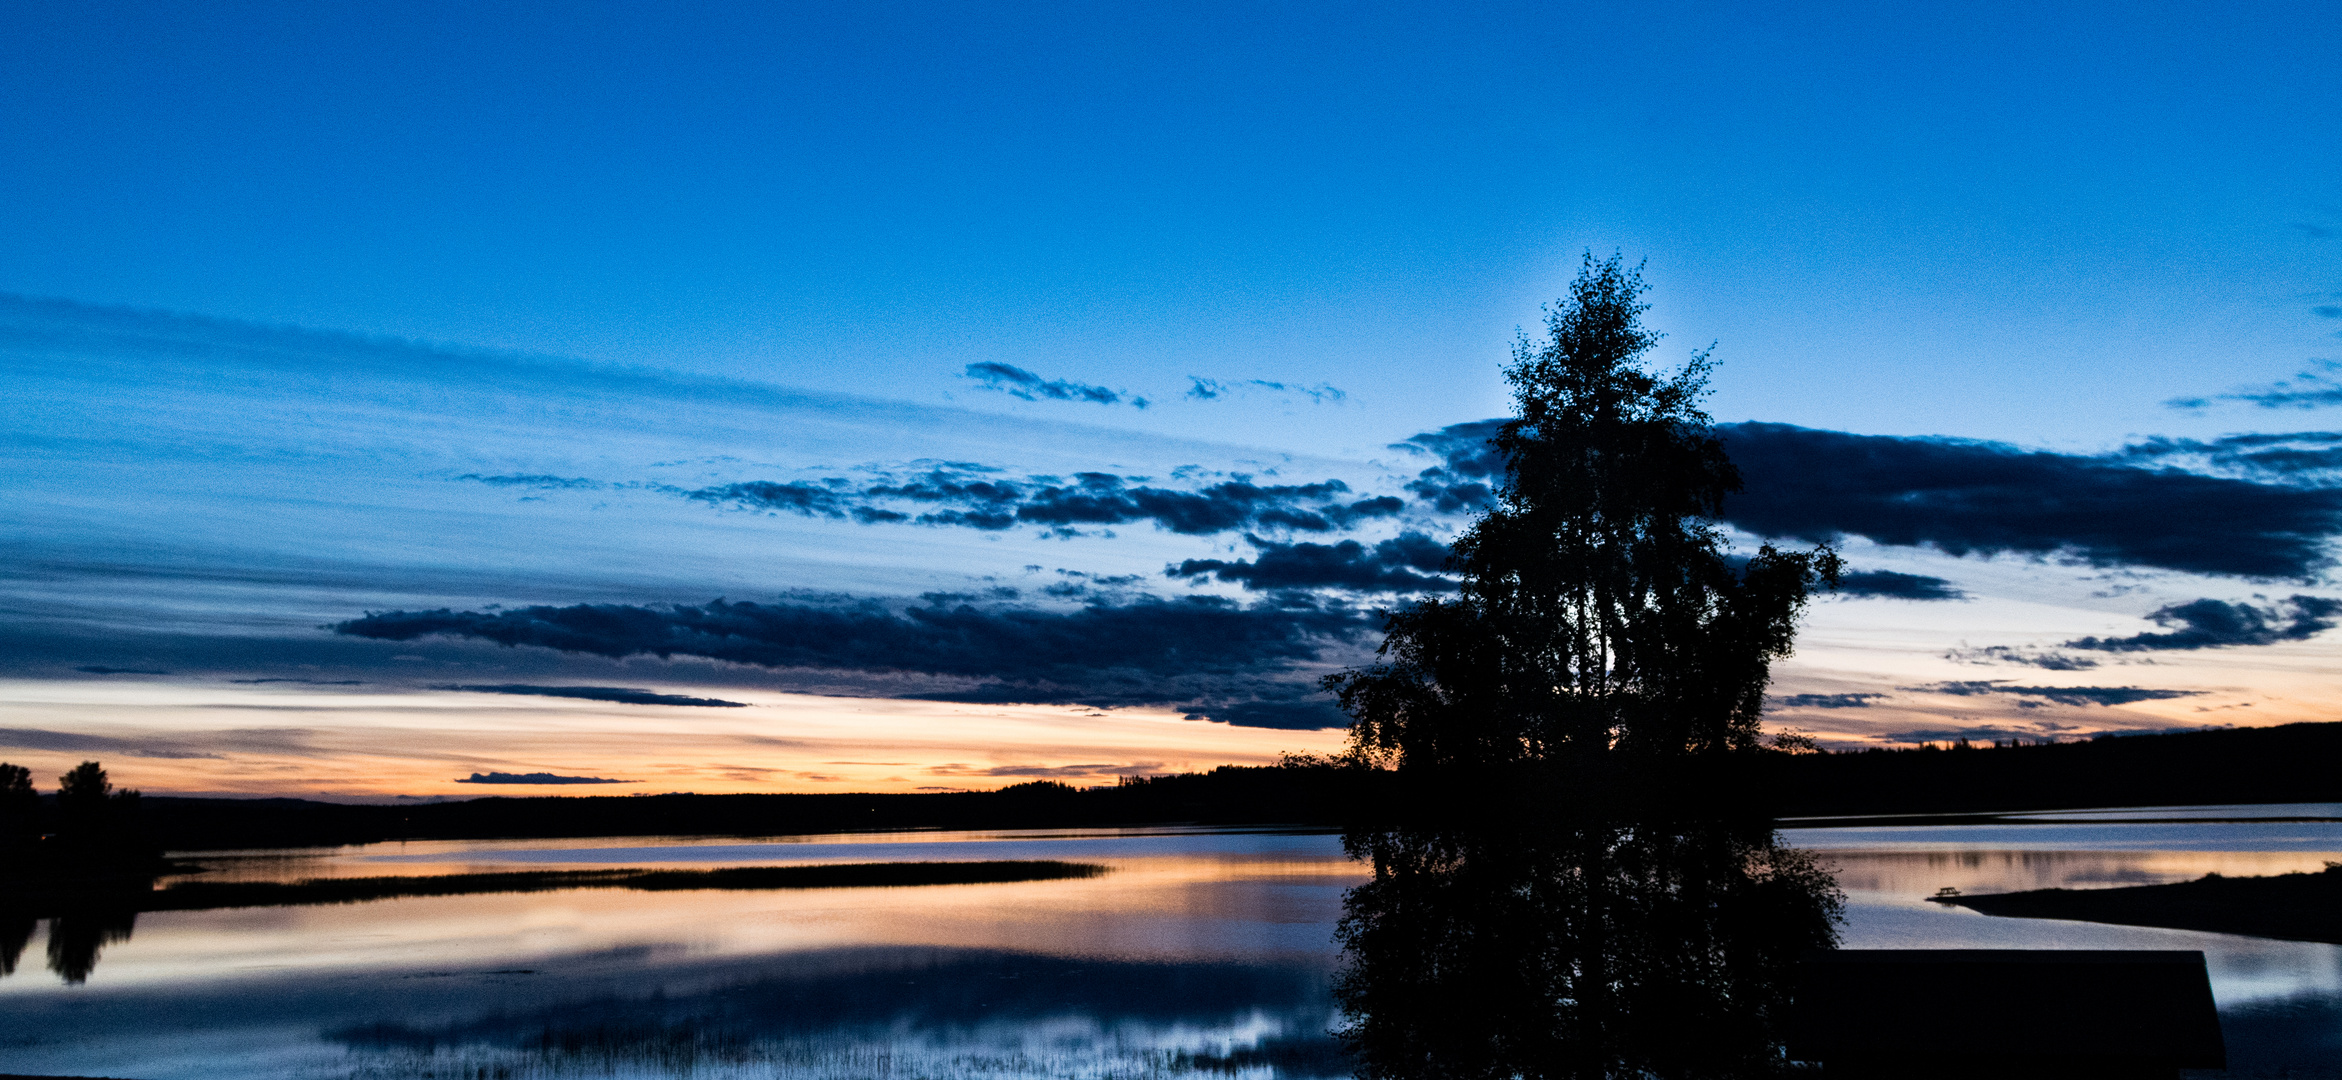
x,y
1237,662
1226,661
2211,624
2197,624
1966,497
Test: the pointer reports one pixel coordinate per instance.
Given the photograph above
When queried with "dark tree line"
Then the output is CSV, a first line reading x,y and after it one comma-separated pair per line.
x,y
77,861
90,823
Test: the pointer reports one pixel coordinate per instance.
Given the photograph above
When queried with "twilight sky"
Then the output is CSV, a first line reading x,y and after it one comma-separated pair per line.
x,y
762,398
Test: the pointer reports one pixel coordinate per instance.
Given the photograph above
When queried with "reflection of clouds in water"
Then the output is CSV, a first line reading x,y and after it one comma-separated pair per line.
x,y
1207,953
957,1014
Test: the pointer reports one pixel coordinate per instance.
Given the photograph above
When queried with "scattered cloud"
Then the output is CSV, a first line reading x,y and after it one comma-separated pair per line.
x,y
2036,733
1472,469
798,496
2300,457
303,682
99,669
1050,772
2062,695
621,695
1298,710
1017,382
537,778
1203,653
1966,497
1203,389
1895,585
2045,659
70,742
1830,701
2313,388
2214,624
1406,563
537,481
958,495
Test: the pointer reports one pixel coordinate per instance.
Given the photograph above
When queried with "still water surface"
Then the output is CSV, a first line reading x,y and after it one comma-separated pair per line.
x,y
1203,952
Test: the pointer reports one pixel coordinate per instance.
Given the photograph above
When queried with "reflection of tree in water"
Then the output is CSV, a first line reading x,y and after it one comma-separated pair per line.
x,y
1584,949
74,940
15,931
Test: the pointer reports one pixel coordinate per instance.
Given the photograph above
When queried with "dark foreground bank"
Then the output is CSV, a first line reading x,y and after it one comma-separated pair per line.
x,y
2294,907
2293,763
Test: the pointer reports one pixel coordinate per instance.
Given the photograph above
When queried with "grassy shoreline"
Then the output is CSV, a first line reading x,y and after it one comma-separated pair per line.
x,y
213,895
2288,907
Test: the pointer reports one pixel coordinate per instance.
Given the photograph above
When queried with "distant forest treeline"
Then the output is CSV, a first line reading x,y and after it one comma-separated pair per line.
x,y
2293,763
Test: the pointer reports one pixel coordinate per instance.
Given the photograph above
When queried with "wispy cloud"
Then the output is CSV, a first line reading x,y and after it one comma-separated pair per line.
x,y
1203,389
959,495
1050,772
1829,701
2062,695
2312,388
2299,457
619,694
2045,659
532,480
1017,382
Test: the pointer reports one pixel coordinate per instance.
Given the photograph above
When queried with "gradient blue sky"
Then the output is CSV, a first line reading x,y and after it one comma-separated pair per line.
x,y
633,245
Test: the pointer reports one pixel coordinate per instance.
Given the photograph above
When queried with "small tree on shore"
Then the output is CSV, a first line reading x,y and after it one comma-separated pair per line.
x,y
1599,611
19,806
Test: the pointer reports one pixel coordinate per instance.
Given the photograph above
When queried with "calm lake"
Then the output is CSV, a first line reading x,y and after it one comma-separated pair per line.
x,y
1201,952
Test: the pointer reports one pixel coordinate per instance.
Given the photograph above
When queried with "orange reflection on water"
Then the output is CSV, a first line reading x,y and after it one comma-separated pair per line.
x,y
1179,905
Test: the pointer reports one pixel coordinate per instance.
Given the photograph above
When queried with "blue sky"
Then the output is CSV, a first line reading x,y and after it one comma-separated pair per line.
x,y
282,277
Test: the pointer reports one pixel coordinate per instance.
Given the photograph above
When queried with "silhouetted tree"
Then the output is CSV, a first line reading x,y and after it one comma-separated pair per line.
x,y
95,823
20,808
1599,611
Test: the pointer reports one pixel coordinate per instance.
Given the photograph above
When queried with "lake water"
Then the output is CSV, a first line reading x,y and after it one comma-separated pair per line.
x,y
1202,952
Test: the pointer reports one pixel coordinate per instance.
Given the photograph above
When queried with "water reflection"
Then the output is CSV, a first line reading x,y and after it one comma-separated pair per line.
x,y
1586,947
75,939
1202,955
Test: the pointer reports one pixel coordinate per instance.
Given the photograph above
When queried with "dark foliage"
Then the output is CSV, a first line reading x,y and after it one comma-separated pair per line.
x,y
2273,520
1598,610
20,806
